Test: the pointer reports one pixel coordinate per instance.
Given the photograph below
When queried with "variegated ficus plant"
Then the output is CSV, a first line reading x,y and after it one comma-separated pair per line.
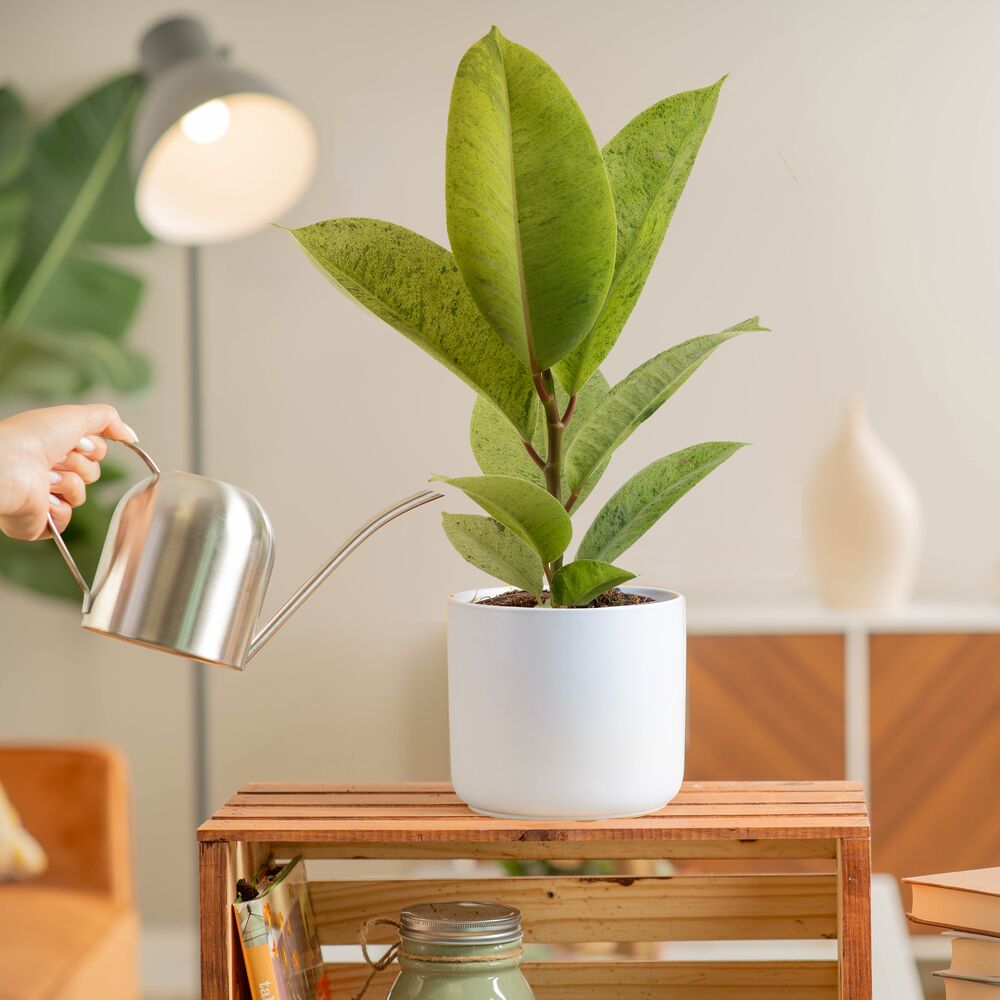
x,y
552,240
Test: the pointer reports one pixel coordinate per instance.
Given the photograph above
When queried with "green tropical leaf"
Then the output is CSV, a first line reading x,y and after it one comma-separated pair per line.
x,y
74,158
636,398
13,210
536,517
26,373
648,163
579,582
39,567
15,142
495,549
499,450
648,495
530,212
15,146
63,315
113,220
414,285
41,363
89,295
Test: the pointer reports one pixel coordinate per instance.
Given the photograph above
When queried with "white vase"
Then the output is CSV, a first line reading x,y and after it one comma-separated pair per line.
x,y
566,713
863,520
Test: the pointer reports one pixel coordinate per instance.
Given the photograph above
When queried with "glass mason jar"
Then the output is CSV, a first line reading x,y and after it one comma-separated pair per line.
x,y
460,951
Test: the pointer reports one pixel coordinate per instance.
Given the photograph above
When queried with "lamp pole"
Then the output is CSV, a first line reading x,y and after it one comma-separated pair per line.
x,y
196,455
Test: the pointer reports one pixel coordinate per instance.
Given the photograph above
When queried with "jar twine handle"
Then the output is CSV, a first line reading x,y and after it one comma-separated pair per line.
x,y
377,965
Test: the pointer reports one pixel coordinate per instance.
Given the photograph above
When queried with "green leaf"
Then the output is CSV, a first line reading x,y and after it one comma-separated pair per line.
x,y
71,361
14,149
495,549
636,398
648,495
63,315
26,373
530,213
90,295
39,567
499,450
114,220
14,136
13,210
536,517
579,582
648,163
75,157
414,285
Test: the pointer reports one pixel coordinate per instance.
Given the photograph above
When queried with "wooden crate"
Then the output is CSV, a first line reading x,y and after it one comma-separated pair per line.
x,y
765,823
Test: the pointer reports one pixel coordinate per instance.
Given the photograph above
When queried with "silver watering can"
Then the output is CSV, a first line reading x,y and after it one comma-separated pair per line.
x,y
186,564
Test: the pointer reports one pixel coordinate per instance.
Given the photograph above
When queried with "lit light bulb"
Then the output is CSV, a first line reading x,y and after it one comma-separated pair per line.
x,y
206,123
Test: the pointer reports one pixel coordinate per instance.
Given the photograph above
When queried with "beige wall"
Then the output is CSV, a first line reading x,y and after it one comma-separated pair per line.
x,y
847,192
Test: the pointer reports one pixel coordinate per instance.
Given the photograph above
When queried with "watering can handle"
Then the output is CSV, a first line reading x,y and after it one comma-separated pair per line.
x,y
61,545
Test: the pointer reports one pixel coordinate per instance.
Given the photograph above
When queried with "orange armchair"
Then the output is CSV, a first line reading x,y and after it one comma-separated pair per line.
x,y
72,933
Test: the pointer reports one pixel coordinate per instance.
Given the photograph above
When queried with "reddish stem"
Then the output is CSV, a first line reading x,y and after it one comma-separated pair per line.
x,y
535,457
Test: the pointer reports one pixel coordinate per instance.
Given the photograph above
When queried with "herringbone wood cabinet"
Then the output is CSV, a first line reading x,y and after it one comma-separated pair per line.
x,y
765,707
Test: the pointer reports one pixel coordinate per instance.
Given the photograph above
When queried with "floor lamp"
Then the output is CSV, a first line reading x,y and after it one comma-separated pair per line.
x,y
217,154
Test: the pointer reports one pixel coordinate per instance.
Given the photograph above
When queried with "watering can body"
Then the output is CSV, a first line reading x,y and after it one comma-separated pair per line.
x,y
184,569
186,564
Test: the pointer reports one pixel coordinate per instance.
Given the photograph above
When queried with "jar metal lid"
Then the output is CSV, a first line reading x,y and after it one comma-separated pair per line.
x,y
461,923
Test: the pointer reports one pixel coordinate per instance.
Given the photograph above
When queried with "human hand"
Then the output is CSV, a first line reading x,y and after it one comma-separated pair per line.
x,y
48,458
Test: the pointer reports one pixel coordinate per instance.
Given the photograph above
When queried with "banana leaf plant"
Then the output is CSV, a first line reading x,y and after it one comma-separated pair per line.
x,y
65,192
552,240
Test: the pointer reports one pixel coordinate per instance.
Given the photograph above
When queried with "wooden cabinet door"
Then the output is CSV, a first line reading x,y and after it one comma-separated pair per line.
x,y
765,708
935,751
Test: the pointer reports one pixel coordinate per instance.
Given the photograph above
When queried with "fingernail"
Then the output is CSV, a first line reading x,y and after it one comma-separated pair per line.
x,y
135,437
54,501
86,445
55,477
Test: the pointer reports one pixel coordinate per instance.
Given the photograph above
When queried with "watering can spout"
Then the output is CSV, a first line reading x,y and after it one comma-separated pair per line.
x,y
319,577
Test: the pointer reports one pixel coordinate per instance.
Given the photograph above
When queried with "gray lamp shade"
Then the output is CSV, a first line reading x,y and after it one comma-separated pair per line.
x,y
216,152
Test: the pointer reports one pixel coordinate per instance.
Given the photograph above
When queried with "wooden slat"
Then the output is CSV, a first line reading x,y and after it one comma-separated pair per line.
x,y
339,811
566,850
365,787
643,980
222,973
570,909
854,915
687,796
443,787
450,831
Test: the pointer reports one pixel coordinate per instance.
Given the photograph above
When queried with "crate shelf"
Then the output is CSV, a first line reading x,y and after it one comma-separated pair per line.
x,y
775,822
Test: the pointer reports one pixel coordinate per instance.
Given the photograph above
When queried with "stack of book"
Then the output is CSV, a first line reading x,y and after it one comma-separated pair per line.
x,y
967,905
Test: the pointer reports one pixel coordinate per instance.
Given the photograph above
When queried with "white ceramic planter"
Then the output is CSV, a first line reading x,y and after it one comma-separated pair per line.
x,y
566,713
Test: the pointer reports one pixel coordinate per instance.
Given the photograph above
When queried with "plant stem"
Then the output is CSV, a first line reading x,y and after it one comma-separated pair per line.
x,y
540,386
553,455
551,465
570,410
555,426
535,457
